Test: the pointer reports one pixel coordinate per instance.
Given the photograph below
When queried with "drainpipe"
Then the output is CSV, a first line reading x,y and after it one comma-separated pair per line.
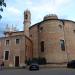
x,y
65,41
38,42
25,51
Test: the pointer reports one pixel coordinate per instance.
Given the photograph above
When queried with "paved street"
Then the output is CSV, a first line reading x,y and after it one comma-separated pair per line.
x,y
51,71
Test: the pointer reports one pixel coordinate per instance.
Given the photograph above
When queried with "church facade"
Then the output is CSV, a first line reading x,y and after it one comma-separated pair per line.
x,y
52,39
16,47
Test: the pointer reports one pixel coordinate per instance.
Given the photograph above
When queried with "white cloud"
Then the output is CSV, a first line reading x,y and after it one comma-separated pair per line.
x,y
61,2
48,7
38,8
29,2
11,14
13,10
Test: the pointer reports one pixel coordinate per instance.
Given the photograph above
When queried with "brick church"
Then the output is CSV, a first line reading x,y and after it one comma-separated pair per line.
x,y
52,39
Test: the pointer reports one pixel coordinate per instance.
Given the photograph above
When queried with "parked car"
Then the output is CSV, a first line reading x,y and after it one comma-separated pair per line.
x,y
71,64
33,66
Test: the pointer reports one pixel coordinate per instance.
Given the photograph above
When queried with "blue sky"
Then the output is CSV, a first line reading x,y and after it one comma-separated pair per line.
x,y
13,13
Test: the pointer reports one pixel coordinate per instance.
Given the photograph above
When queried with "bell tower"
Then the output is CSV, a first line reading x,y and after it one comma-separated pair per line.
x,y
27,22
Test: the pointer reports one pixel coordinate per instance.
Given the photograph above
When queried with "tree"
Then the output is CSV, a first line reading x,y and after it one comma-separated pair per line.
x,y
2,4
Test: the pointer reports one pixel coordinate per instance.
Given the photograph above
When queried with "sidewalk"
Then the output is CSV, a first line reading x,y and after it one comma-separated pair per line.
x,y
53,66
41,66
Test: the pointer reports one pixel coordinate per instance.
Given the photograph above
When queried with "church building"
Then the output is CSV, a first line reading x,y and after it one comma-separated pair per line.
x,y
52,39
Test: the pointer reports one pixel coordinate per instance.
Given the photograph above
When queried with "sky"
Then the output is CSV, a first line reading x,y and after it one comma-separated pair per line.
x,y
13,13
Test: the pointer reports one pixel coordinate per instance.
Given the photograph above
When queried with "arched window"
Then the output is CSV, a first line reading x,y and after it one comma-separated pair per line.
x,y
26,16
62,45
42,46
7,42
6,55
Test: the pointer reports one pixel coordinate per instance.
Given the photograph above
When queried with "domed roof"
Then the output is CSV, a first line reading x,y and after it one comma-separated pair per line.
x,y
50,16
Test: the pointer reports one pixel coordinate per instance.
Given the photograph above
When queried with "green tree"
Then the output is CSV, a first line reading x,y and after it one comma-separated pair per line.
x,y
2,4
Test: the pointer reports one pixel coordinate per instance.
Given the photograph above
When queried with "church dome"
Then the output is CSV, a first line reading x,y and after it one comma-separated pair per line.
x,y
50,16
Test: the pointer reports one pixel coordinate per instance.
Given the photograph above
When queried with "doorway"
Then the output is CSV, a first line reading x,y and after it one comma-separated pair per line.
x,y
16,61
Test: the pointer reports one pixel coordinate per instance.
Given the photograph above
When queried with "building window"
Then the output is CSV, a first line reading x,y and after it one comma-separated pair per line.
x,y
7,42
74,31
26,16
42,46
62,45
17,41
6,55
41,28
60,26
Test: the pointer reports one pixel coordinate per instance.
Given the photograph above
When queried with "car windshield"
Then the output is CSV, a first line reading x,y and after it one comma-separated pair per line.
x,y
34,64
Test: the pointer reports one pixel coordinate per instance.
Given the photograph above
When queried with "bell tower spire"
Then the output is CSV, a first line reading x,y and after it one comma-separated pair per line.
x,y
27,22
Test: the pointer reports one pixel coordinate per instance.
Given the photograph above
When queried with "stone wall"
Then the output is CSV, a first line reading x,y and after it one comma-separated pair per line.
x,y
51,32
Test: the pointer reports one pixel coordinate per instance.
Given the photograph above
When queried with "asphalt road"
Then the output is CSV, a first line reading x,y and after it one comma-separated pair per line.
x,y
46,71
